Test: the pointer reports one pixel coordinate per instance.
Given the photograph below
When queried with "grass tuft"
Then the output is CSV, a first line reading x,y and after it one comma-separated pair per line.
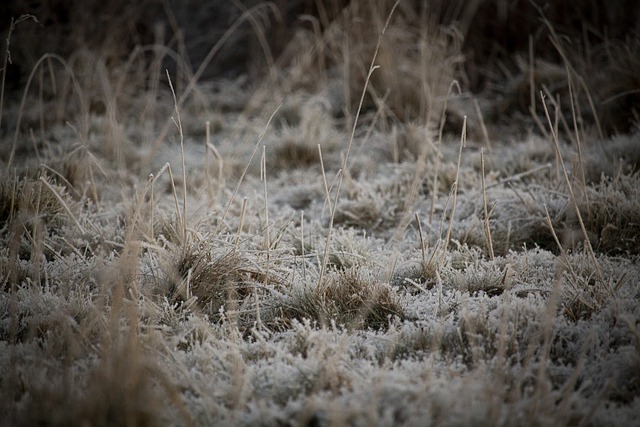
x,y
348,298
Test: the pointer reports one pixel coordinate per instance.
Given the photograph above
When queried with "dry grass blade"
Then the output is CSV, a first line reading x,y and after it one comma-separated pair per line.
x,y
345,164
454,187
574,201
487,229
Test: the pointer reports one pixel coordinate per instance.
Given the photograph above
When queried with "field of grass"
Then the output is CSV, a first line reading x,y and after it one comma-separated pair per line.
x,y
365,226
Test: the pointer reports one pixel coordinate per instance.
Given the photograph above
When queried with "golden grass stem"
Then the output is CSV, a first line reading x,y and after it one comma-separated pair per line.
x,y
267,236
220,177
246,168
175,195
240,225
267,227
583,180
487,229
454,187
304,263
587,242
483,125
345,164
152,202
324,180
207,142
421,235
436,175
178,124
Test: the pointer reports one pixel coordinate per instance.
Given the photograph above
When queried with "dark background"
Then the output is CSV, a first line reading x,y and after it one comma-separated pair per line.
x,y
492,28
495,32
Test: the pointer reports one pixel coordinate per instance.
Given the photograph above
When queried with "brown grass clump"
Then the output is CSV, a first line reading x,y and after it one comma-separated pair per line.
x,y
348,298
291,153
584,291
201,277
365,211
302,127
468,275
31,200
33,217
612,214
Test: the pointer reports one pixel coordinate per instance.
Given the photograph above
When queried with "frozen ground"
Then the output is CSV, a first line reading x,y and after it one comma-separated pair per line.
x,y
273,269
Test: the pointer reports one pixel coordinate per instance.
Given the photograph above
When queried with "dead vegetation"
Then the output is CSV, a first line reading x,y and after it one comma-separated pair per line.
x,y
377,217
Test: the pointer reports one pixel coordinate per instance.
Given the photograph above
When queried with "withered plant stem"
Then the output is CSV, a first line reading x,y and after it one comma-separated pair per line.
x,y
585,235
487,229
246,168
345,162
421,235
178,123
454,187
436,175
583,180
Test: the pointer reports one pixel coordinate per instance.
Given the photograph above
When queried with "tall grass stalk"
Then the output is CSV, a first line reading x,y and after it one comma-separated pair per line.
x,y
487,229
246,168
574,201
345,161
436,174
178,124
454,187
583,180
